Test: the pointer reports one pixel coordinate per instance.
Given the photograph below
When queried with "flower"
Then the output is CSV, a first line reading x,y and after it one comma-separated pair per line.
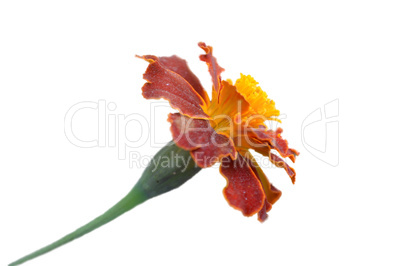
x,y
204,132
224,128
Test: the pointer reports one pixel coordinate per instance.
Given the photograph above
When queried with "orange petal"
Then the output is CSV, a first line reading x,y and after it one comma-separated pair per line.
x,y
246,142
278,162
178,65
206,145
243,190
274,194
214,69
228,109
275,141
166,84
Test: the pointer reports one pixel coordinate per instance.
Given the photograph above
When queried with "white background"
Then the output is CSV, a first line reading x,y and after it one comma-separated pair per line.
x,y
304,54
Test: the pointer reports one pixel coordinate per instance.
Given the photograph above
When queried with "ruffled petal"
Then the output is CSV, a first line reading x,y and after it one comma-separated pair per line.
x,y
278,162
272,194
196,135
245,142
275,141
263,213
178,65
214,69
224,112
166,84
243,190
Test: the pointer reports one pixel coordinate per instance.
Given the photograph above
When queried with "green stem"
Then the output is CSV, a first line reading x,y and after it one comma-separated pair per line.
x,y
133,198
170,168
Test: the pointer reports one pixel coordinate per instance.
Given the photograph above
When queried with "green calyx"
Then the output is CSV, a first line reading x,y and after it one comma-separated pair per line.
x,y
170,168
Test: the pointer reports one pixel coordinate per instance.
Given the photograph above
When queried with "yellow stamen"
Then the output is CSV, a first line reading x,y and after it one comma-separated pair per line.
x,y
256,97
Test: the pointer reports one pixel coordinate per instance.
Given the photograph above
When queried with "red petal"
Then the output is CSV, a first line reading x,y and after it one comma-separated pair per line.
x,y
275,141
272,194
178,65
272,197
243,191
281,163
262,214
206,145
214,69
166,84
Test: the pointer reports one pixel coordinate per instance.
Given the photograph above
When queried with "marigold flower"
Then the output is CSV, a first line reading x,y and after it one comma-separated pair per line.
x,y
204,132
223,128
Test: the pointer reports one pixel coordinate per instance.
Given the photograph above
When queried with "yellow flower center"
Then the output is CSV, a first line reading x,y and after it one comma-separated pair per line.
x,y
244,104
255,96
